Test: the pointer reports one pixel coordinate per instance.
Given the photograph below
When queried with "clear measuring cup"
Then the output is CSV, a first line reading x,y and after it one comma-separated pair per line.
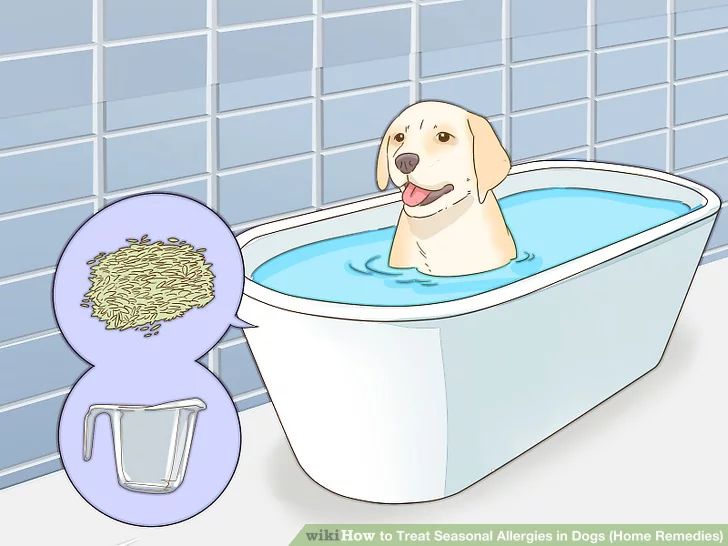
x,y
151,443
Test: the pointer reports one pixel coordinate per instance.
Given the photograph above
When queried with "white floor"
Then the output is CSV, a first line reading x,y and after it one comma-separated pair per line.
x,y
657,452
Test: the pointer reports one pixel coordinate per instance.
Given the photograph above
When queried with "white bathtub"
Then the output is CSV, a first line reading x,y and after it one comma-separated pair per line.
x,y
407,404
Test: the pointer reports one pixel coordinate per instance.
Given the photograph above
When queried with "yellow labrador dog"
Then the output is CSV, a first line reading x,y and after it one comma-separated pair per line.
x,y
446,162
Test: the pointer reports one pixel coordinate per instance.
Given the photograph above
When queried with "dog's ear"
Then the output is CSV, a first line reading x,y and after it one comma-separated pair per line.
x,y
491,161
383,164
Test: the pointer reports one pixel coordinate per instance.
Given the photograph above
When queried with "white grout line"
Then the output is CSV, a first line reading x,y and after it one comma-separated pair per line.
x,y
231,343
591,136
671,21
351,147
156,38
26,339
213,361
506,80
264,108
35,399
156,126
46,208
630,138
550,107
704,77
706,121
632,45
462,73
366,90
317,126
633,91
266,164
249,394
27,276
701,33
358,198
367,10
415,70
716,250
45,52
551,155
99,108
155,186
213,90
19,150
550,59
29,464
265,24
700,166
236,228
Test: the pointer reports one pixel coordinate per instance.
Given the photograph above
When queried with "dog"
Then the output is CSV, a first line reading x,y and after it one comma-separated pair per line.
x,y
446,161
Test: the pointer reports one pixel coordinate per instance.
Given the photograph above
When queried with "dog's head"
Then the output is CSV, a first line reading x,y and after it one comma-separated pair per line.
x,y
439,154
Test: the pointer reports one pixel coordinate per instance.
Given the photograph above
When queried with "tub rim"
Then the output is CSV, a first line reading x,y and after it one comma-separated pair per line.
x,y
477,302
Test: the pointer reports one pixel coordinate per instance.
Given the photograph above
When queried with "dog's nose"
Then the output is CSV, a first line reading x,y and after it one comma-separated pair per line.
x,y
407,162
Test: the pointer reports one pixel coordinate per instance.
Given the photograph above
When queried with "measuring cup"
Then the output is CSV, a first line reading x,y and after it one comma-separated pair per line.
x,y
151,443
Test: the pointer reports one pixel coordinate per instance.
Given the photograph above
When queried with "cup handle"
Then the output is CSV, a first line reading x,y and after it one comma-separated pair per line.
x,y
89,426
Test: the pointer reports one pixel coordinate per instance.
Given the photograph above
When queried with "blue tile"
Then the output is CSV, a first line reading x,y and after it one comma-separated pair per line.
x,y
265,65
701,99
131,18
700,55
627,21
698,15
29,303
35,471
237,369
361,117
719,236
45,98
340,5
540,133
260,136
701,143
197,190
622,69
43,24
715,177
257,193
550,82
648,152
155,81
460,36
250,403
155,156
231,12
49,176
35,241
481,93
497,125
36,367
542,29
36,424
350,174
631,114
365,49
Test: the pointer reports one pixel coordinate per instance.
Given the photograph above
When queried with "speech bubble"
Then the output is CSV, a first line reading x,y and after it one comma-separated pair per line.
x,y
159,216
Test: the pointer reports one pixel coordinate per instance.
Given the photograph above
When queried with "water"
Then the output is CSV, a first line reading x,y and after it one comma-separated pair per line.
x,y
550,226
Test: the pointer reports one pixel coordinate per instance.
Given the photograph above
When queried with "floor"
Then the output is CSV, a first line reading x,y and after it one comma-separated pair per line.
x,y
656,452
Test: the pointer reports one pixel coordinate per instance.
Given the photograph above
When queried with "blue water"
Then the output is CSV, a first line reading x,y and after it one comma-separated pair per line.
x,y
550,227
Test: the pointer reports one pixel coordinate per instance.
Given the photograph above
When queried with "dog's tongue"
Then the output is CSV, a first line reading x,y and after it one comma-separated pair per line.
x,y
414,195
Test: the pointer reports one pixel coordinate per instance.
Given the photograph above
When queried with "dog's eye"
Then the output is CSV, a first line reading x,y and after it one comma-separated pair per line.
x,y
444,137
399,137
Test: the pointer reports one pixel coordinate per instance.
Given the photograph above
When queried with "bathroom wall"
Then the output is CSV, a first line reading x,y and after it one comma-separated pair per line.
x,y
222,102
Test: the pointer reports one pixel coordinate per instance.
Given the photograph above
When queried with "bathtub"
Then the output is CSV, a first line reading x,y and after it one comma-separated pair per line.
x,y
408,404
